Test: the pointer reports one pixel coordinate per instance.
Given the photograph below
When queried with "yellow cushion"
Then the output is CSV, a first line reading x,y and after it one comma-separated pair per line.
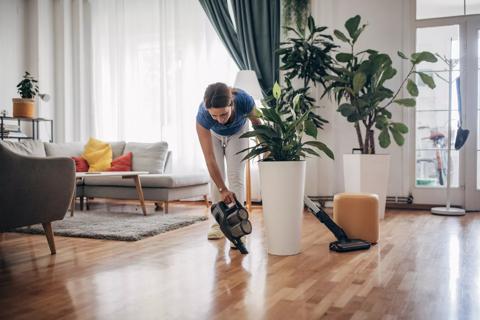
x,y
98,155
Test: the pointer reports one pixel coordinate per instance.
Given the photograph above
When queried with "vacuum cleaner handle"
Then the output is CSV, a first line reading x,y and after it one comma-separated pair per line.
x,y
237,203
325,219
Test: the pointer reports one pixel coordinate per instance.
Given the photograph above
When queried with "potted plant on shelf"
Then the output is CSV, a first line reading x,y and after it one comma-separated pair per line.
x,y
24,107
358,83
280,138
295,11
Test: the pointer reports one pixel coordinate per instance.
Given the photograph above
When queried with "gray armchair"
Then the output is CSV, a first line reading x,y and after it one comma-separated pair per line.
x,y
34,190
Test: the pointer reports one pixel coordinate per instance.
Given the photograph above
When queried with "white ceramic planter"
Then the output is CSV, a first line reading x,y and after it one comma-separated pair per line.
x,y
283,186
367,173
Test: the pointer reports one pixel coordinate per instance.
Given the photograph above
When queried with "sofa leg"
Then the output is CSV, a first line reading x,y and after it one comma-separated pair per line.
x,y
205,197
47,227
161,206
81,203
87,204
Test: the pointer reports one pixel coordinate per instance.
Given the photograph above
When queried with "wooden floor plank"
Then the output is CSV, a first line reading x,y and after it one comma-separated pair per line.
x,y
424,267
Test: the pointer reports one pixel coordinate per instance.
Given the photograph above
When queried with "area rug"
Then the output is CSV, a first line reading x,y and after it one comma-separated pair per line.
x,y
122,226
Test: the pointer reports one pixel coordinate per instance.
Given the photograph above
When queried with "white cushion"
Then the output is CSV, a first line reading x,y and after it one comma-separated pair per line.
x,y
117,148
75,149
69,149
147,156
26,147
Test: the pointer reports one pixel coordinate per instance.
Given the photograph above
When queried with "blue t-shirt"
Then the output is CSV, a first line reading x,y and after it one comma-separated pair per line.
x,y
243,104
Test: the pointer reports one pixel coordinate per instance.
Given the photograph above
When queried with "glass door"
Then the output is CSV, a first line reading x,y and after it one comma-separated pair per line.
x,y
454,104
437,111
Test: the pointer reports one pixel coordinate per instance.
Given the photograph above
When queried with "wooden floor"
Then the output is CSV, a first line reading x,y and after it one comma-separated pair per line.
x,y
425,267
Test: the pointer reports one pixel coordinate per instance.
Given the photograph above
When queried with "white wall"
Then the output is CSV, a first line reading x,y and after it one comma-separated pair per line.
x,y
388,31
27,34
13,59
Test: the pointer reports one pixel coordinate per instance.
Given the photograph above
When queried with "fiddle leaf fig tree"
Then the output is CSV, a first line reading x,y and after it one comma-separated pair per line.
x,y
281,135
359,85
307,56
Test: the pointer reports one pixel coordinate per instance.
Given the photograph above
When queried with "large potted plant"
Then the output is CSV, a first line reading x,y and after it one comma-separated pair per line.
x,y
359,84
24,107
280,138
306,58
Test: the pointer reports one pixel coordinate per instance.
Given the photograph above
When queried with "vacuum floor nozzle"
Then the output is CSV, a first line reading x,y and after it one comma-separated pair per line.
x,y
343,243
349,245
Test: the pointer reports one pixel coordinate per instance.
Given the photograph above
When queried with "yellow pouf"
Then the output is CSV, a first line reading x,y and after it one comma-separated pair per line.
x,y
357,214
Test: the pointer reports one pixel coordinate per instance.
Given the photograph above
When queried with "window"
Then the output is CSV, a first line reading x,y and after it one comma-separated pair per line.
x,y
150,70
427,9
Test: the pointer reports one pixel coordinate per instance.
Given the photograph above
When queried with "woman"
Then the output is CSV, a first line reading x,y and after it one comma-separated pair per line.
x,y
221,120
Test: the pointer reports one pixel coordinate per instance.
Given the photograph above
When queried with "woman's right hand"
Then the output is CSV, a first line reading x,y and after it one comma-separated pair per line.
x,y
228,196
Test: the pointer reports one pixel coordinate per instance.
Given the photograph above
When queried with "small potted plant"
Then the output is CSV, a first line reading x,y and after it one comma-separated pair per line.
x,y
295,12
359,85
280,138
24,107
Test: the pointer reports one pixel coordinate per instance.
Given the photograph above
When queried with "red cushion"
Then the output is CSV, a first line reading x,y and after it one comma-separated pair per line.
x,y
81,165
122,163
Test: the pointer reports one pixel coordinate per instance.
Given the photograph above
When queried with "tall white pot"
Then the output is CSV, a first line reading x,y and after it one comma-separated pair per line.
x,y
283,186
367,173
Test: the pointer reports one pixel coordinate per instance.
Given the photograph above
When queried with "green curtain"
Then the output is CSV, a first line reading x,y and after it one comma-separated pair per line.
x,y
255,40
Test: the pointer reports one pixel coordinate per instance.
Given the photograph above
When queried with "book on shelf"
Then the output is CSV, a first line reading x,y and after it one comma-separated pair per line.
x,y
10,127
14,134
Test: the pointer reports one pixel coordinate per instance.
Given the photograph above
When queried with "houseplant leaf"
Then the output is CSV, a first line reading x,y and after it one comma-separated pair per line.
x,y
359,80
276,90
397,136
311,129
311,24
321,146
310,151
384,138
346,109
344,57
427,79
400,127
402,55
352,25
407,102
341,36
412,88
426,56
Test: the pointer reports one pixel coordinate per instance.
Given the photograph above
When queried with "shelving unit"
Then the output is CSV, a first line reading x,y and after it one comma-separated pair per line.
x,y
35,123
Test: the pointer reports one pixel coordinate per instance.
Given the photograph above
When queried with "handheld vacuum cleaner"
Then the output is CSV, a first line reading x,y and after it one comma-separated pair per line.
x,y
343,243
233,221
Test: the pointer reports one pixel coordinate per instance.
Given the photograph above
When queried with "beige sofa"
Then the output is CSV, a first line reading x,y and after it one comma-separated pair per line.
x,y
159,185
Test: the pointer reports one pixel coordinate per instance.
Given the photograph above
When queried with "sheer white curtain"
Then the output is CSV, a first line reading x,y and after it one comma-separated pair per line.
x,y
72,96
151,61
